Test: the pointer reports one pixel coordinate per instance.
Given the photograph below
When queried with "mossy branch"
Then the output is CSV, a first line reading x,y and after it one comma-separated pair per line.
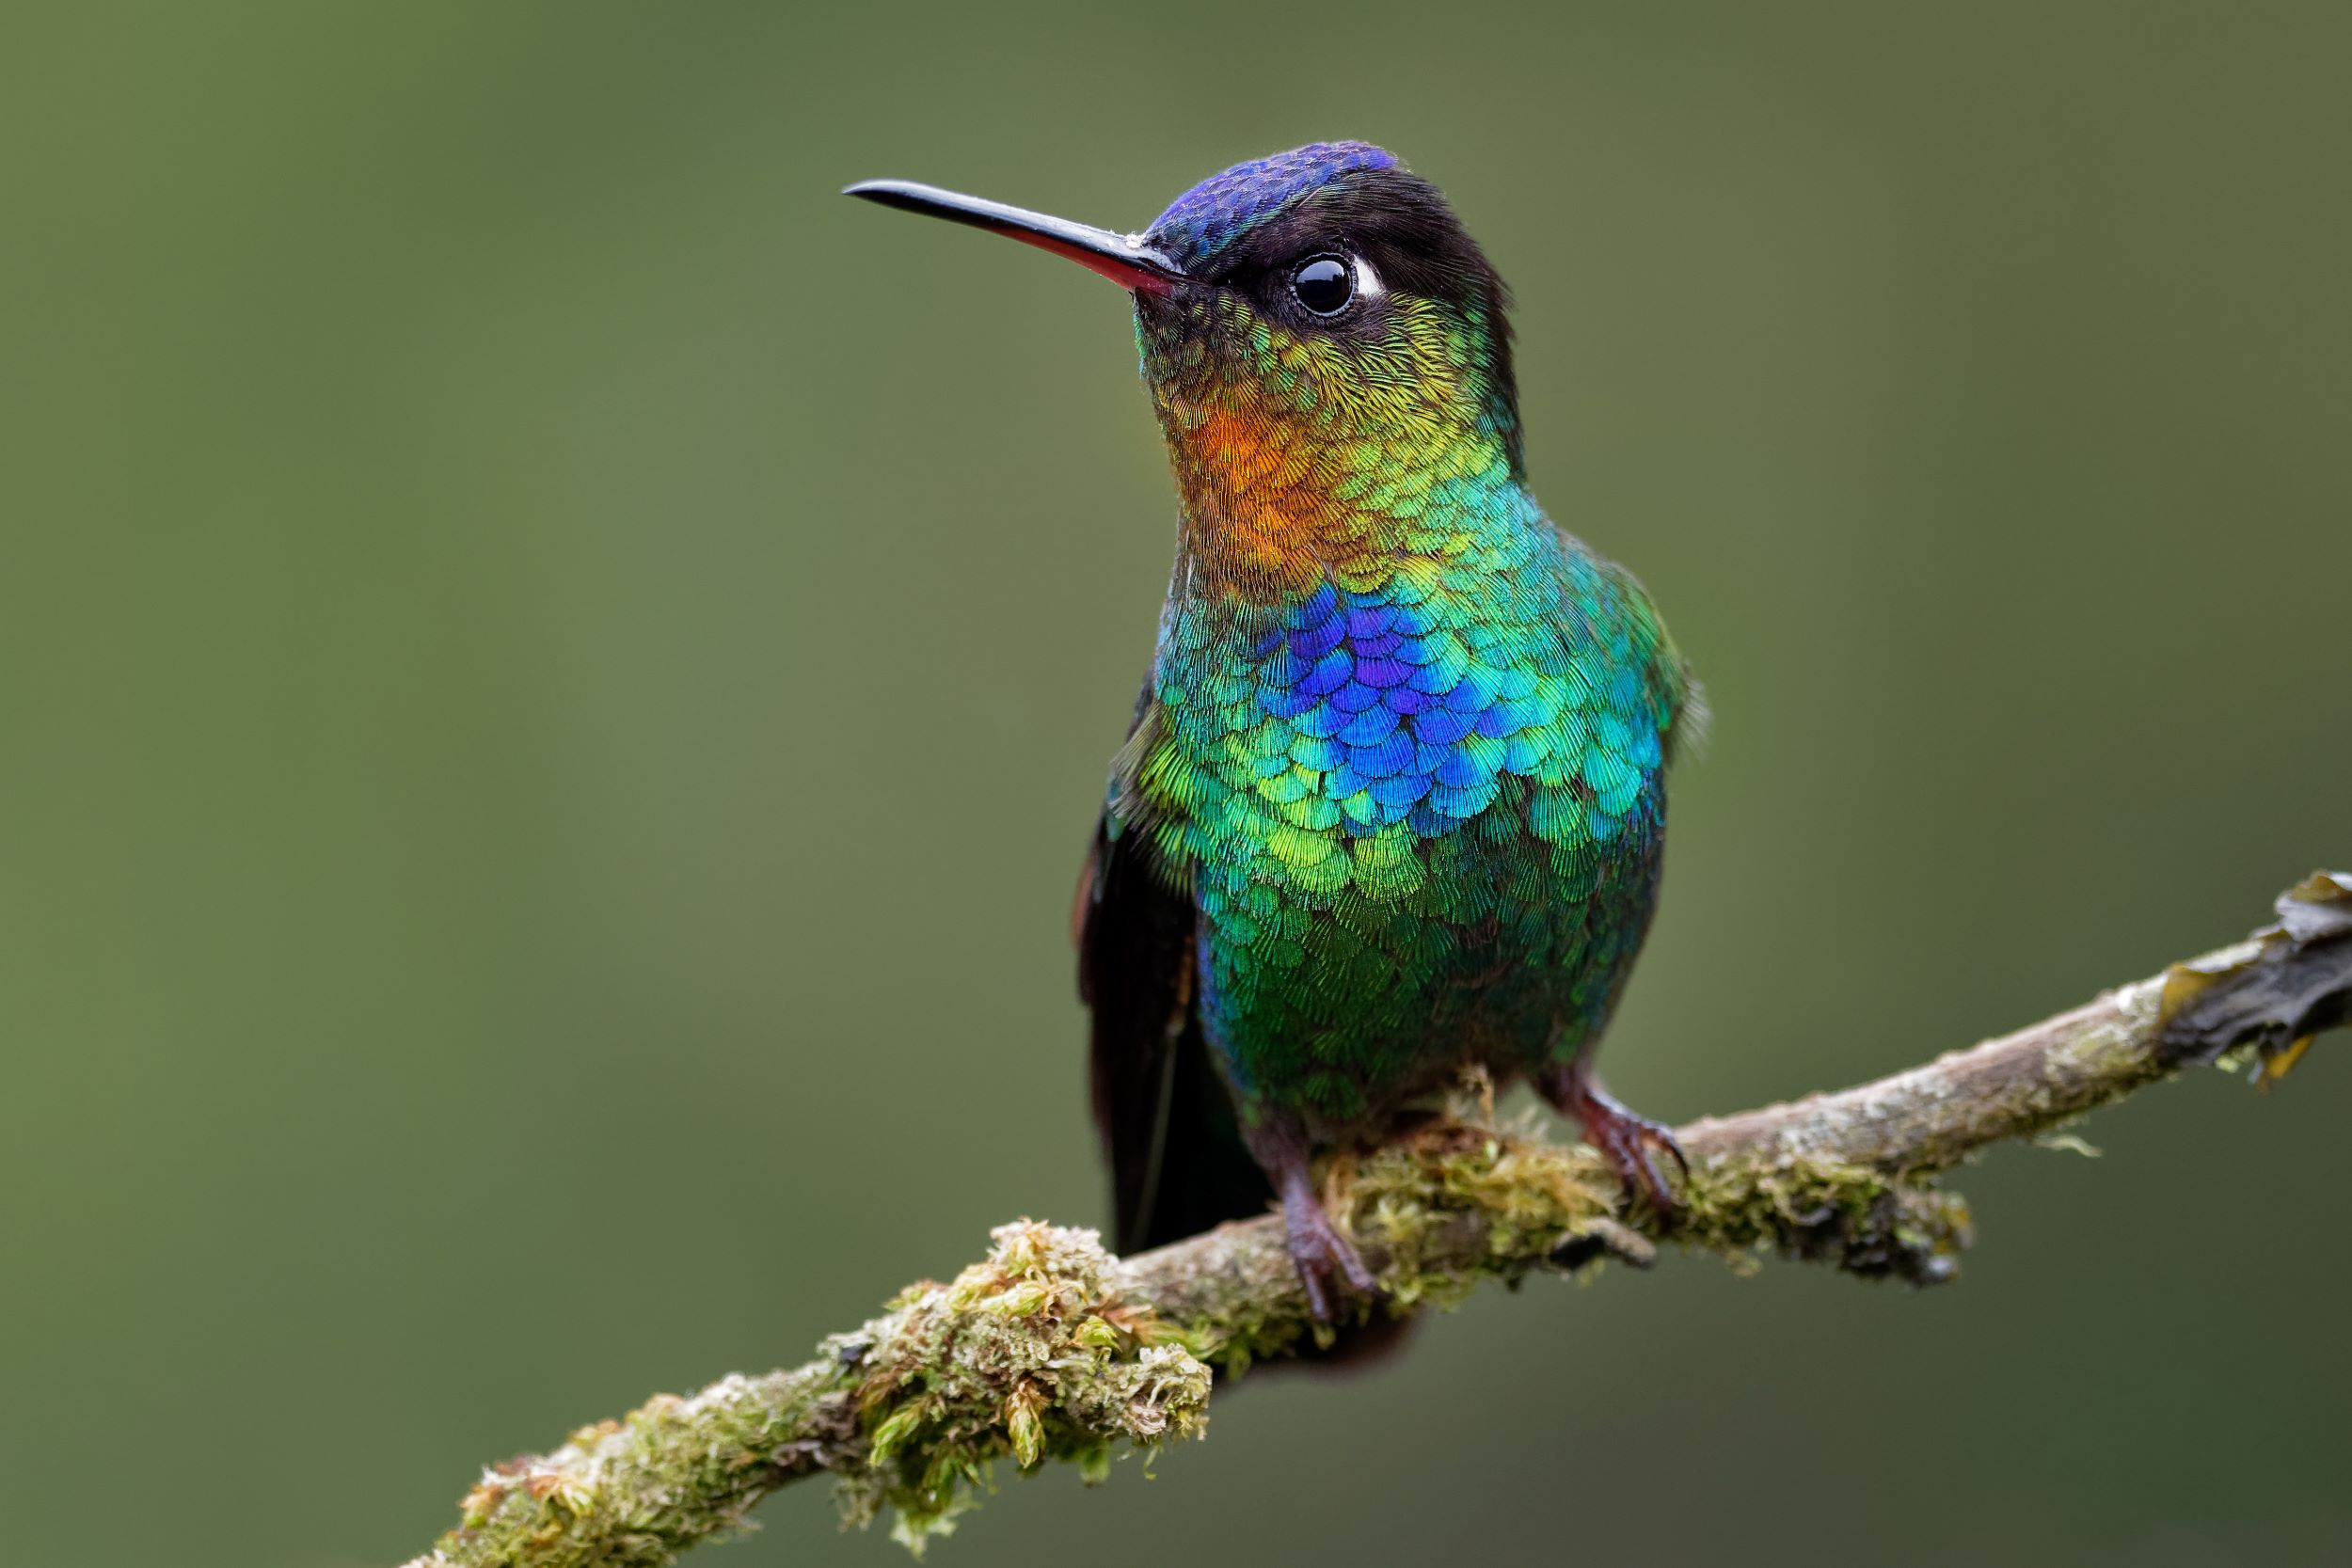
x,y
1052,1348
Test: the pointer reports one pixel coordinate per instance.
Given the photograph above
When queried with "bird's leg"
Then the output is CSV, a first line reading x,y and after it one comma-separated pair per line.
x,y
1624,1139
1318,1246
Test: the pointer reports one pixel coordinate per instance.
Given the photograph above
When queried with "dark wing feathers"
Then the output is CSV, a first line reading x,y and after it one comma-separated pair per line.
x,y
1178,1165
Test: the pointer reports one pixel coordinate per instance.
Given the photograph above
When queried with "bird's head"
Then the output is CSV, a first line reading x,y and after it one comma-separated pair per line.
x,y
1333,296
1316,328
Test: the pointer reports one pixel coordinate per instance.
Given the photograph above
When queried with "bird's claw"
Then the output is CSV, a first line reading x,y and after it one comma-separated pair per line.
x,y
1320,1252
1627,1141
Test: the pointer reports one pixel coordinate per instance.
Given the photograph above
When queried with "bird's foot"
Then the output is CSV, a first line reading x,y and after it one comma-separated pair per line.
x,y
1322,1251
1628,1143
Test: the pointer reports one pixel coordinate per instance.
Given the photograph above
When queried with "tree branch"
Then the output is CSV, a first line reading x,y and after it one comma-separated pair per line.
x,y
1053,1348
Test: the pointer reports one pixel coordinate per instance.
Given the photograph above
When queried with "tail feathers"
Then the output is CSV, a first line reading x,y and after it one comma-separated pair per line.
x,y
1195,1173
1178,1163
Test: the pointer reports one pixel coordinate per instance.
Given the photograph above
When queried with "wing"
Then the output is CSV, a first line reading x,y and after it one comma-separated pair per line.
x,y
1178,1163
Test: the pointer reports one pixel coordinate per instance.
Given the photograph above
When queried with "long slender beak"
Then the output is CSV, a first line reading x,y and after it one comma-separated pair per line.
x,y
1121,258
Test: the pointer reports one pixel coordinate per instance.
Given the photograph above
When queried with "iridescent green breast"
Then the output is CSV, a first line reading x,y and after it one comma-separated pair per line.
x,y
1420,819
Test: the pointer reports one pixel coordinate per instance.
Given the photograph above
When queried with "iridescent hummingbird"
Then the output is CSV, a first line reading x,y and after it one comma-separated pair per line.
x,y
1393,802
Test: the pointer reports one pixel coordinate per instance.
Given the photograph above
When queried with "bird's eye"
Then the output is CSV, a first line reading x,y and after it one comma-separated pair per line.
x,y
1324,284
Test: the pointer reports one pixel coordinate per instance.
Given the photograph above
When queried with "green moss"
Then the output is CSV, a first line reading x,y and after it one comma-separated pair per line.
x,y
1459,1200
1856,1216
1030,1353
634,1493
1037,1352
1527,1196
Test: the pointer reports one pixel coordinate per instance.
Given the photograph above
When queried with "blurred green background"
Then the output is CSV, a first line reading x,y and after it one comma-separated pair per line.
x,y
554,676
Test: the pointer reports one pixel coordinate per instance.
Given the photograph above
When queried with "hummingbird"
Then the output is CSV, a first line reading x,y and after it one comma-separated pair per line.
x,y
1391,804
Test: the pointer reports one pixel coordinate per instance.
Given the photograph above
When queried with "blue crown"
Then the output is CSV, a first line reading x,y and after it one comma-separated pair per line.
x,y
1211,216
